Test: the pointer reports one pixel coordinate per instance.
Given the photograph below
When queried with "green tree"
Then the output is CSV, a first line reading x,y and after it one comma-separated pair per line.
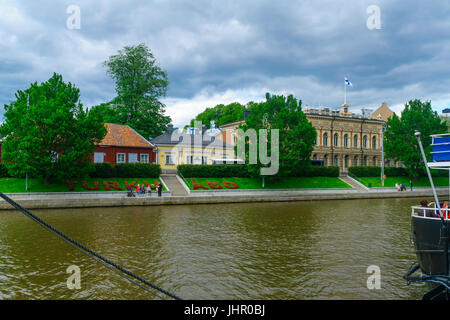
x,y
140,81
296,134
220,114
47,132
401,144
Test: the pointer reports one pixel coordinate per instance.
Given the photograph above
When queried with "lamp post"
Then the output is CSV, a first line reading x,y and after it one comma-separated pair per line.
x,y
382,153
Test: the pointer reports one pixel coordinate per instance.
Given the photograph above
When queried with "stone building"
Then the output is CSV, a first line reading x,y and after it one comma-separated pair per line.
x,y
344,138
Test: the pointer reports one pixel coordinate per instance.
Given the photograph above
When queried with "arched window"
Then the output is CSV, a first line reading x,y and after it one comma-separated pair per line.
x,y
365,142
325,160
325,139
336,161
374,161
365,161
355,161
315,157
346,162
336,140
374,143
346,140
355,141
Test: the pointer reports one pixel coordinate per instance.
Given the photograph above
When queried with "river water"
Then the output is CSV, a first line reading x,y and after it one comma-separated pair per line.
x,y
288,250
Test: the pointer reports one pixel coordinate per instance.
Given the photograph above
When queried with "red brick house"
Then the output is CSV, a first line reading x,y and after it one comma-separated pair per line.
x,y
123,145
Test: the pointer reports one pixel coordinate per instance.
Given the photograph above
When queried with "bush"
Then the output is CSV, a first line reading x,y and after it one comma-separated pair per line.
x,y
365,171
241,171
392,172
126,170
213,171
3,171
137,170
103,170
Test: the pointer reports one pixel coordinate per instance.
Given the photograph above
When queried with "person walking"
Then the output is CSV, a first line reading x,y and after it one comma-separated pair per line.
x,y
410,184
159,190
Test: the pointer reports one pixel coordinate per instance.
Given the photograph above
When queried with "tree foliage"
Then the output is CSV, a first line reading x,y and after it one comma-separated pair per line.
x,y
140,82
401,144
47,133
296,134
222,114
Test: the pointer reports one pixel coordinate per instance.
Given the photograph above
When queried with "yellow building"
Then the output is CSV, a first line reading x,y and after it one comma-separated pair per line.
x,y
344,138
175,147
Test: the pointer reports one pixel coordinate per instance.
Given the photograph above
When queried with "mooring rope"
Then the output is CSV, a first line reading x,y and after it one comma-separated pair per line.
x,y
92,254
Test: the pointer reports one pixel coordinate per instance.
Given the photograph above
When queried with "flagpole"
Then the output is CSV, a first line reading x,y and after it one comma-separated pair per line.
x,y
345,92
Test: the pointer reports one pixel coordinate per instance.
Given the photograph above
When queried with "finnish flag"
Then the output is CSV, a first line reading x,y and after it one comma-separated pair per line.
x,y
348,82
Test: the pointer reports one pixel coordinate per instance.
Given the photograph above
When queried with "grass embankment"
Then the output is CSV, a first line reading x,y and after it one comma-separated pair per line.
x,y
17,185
390,182
284,183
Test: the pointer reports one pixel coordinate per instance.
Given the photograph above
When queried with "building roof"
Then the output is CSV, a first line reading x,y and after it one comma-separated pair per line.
x,y
175,138
123,136
383,112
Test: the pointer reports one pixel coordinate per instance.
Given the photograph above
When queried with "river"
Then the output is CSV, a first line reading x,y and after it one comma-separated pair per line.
x,y
287,250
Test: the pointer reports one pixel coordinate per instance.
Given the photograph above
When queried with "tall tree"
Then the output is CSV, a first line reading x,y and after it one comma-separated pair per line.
x,y
47,132
140,82
401,144
222,114
296,134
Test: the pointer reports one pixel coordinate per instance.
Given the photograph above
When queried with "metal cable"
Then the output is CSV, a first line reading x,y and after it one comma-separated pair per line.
x,y
85,249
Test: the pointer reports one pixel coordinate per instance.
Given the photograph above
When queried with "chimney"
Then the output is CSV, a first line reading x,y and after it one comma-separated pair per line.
x,y
170,128
212,124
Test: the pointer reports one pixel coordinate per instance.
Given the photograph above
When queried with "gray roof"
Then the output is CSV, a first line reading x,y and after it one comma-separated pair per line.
x,y
185,139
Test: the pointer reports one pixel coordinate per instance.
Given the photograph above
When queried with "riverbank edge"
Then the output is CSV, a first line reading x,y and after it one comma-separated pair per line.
x,y
53,202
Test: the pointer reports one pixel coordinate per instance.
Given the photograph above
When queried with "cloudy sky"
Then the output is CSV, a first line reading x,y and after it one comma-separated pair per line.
x,y
237,50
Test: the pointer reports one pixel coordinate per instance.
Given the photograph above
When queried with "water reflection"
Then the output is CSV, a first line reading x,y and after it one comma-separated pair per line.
x,y
293,250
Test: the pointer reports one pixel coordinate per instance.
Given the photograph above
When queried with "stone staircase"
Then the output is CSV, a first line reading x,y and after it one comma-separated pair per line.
x,y
174,185
355,184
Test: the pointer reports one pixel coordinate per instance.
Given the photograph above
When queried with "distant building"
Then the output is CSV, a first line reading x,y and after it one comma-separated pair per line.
x,y
383,113
344,138
122,144
195,146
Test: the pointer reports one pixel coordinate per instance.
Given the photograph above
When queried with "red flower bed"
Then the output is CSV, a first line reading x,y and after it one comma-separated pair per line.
x,y
86,186
230,185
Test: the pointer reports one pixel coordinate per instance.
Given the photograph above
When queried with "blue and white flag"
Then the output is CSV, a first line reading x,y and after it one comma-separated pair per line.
x,y
348,82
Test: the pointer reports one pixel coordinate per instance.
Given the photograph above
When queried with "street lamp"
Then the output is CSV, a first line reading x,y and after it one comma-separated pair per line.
x,y
383,128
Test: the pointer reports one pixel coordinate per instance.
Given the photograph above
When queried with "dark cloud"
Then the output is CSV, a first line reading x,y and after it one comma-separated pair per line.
x,y
236,50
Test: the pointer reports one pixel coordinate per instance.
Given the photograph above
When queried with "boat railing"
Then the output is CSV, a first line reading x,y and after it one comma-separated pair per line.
x,y
429,212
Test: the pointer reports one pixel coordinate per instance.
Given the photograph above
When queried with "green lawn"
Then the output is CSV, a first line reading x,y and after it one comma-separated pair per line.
x,y
391,181
284,183
17,185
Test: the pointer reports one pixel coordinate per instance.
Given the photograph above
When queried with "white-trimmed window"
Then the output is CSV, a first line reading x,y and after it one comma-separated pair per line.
x,y
169,158
204,160
99,157
120,158
144,157
132,157
189,159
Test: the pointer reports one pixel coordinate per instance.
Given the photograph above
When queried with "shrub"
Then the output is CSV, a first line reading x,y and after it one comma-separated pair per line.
x,y
213,171
241,171
102,170
137,170
365,171
126,170
3,171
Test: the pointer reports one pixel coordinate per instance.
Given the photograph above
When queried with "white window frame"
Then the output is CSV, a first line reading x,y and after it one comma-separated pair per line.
x,y
145,155
170,155
124,157
135,157
102,157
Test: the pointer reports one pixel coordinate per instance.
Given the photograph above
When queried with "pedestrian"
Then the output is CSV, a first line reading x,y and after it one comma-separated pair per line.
x,y
410,184
403,186
149,190
138,190
159,189
397,186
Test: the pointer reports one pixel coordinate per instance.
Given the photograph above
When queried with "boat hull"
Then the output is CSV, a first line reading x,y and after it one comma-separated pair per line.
x,y
429,245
